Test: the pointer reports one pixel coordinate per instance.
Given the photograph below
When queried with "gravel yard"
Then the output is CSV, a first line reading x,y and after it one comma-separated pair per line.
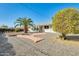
x,y
50,46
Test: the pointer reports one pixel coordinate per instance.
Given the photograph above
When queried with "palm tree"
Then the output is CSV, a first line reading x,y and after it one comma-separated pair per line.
x,y
25,22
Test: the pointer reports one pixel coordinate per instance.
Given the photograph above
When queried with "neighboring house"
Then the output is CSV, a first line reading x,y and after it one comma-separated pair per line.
x,y
44,28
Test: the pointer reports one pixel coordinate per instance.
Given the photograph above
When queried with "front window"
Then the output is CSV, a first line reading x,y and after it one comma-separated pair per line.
x,y
46,27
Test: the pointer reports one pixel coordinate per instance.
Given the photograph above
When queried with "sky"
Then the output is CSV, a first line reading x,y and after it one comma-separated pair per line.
x,y
40,13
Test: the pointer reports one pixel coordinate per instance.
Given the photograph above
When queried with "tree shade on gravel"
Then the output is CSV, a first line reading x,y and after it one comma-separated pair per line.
x,y
6,49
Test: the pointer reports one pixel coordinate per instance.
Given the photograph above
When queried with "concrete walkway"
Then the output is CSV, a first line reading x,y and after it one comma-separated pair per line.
x,y
34,37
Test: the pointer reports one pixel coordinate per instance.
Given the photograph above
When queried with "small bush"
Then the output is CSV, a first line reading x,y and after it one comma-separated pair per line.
x,y
18,30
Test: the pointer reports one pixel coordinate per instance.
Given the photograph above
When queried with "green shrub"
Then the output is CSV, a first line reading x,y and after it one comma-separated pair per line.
x,y
76,31
18,30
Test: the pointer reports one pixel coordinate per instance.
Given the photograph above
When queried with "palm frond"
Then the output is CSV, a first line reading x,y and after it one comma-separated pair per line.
x,y
17,25
24,22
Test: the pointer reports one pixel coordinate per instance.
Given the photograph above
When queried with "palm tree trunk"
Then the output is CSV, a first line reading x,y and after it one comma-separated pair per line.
x,y
25,29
